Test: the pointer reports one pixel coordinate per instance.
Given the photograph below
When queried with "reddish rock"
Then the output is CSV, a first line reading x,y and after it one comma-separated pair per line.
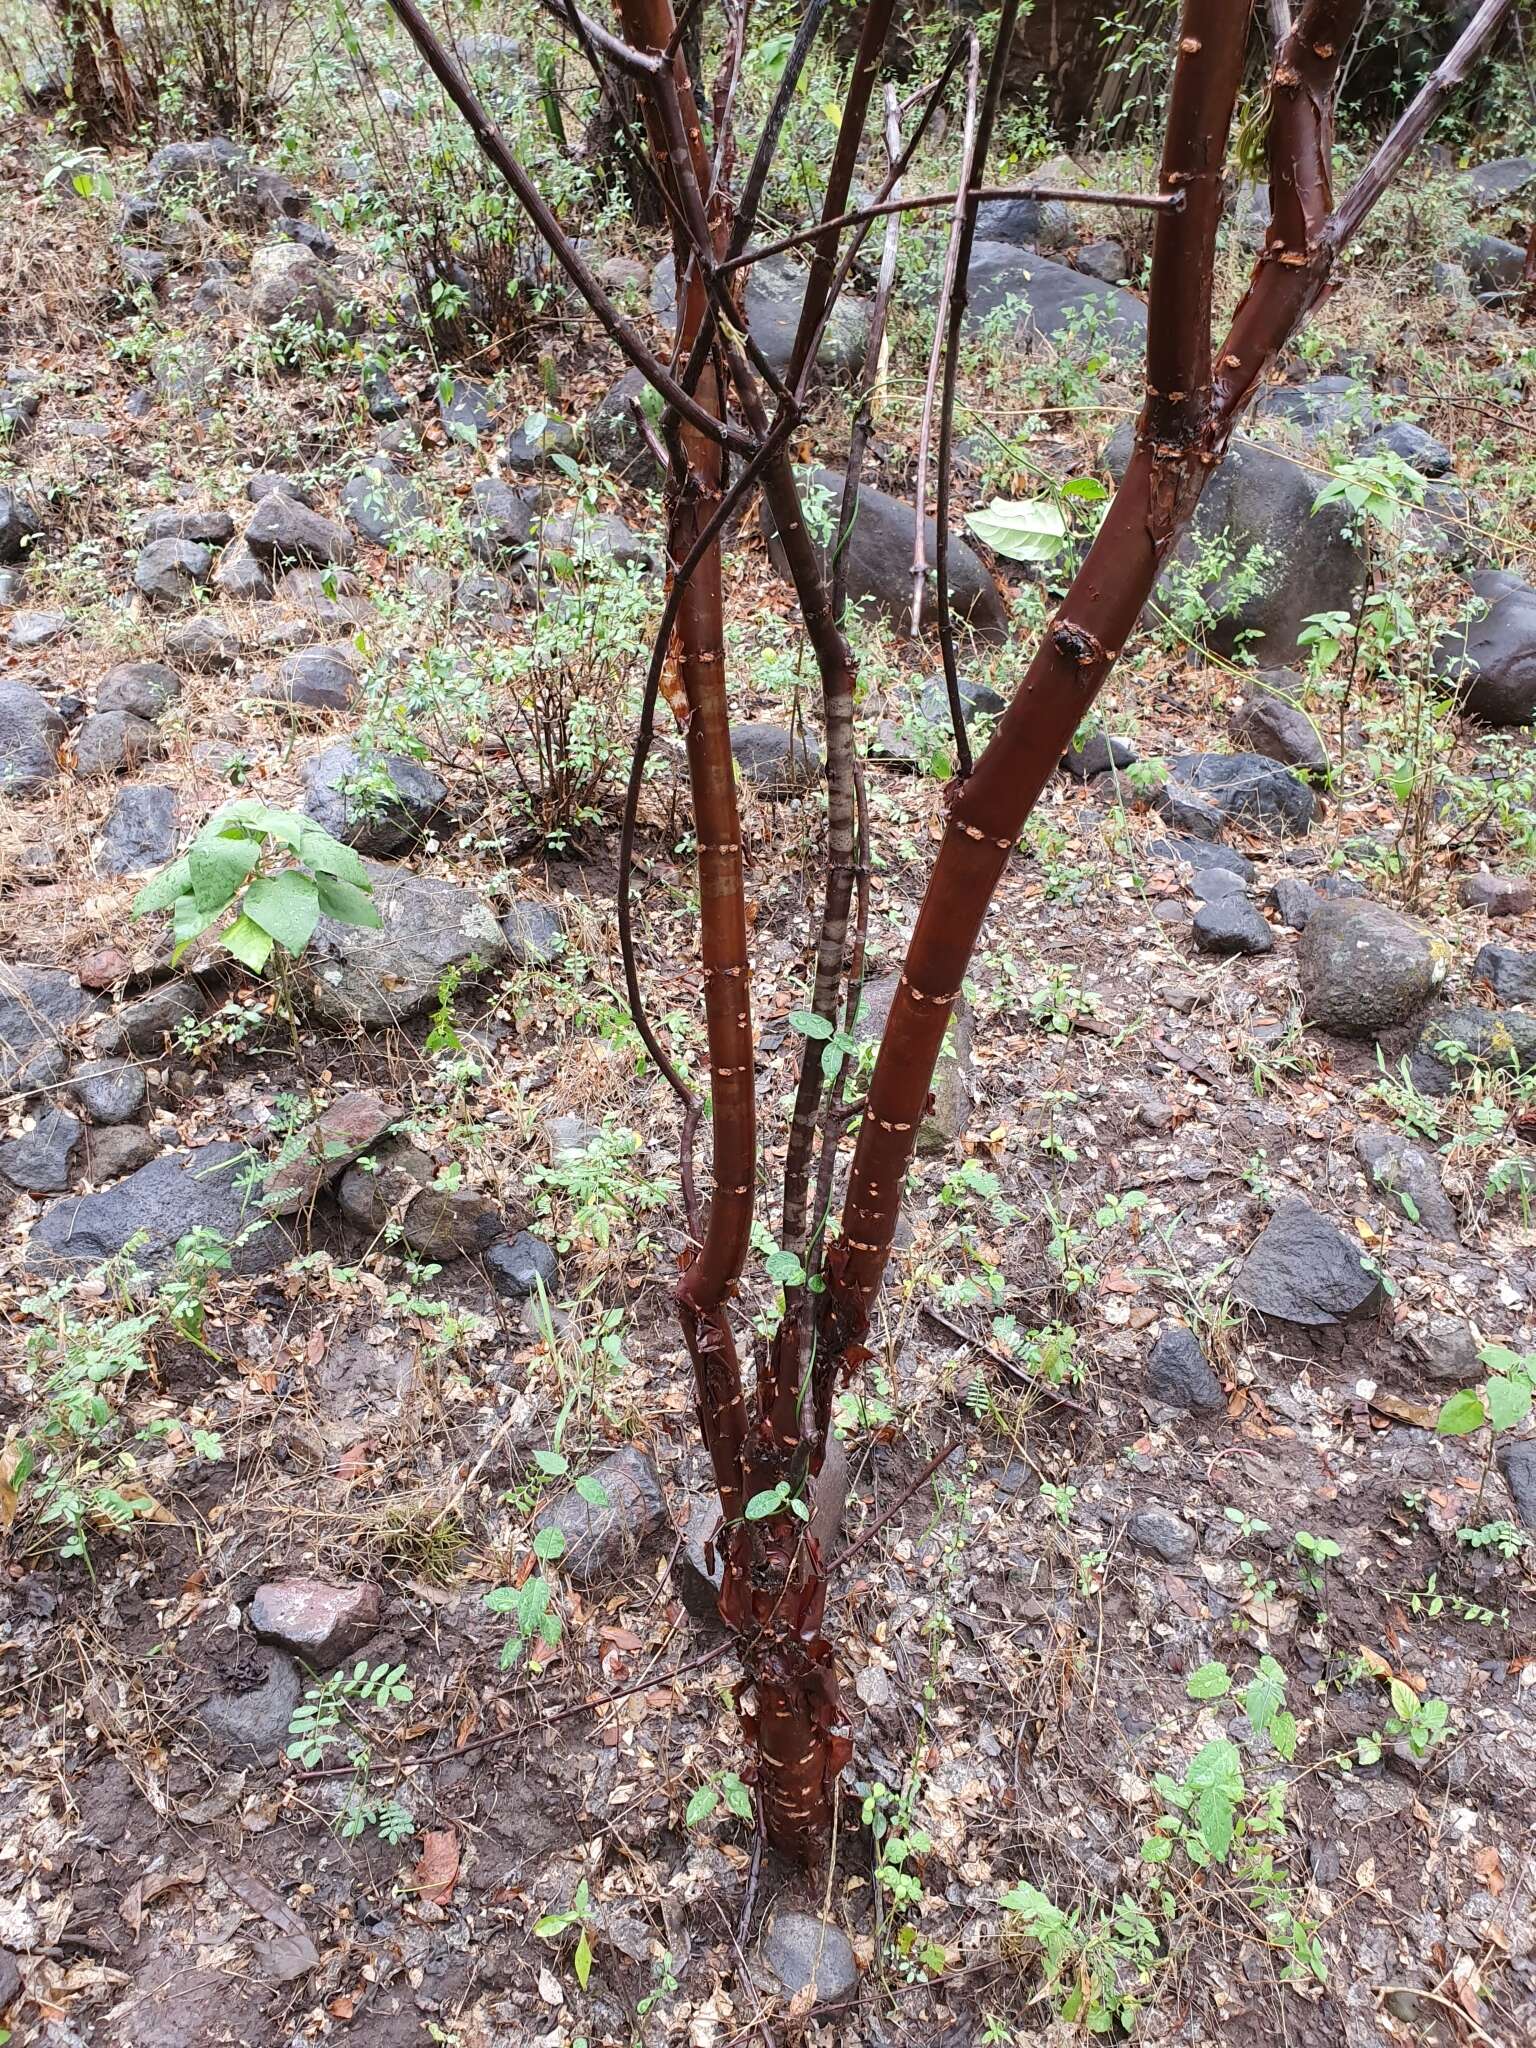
x,y
104,968
1499,895
340,1134
317,1621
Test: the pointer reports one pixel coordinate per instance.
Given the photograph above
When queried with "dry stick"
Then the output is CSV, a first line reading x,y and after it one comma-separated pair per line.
x,y
868,1535
931,388
639,63
861,216
619,329
959,298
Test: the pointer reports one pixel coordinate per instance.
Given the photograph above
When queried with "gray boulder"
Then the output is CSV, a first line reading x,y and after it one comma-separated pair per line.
x,y
40,1008
318,678
1248,789
519,1267
1279,561
111,742
31,733
201,1189
1179,1374
1268,719
530,452
1302,1269
500,520
253,1711
109,1091
614,435
40,1159
143,687
384,506
1502,1039
1493,184
1517,1463
145,1026
210,523
32,630
603,1536
1049,300
451,1223
1157,1533
1509,973
282,530
878,558
290,283
466,409
382,803
952,1091
1227,924
1495,266
1402,1169
241,574
802,1952
1491,660
140,833
1411,444
20,527
355,975
534,934
1323,409
774,294
777,762
598,537
1365,968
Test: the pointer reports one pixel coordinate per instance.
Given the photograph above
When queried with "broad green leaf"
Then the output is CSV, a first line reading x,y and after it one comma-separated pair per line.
x,y
189,923
548,1545
593,1491
287,906
784,1269
532,1605
1282,1733
737,1797
249,943
1156,1849
1461,1414
701,1805
218,867
501,1599
583,1959
161,891
553,1464
766,1503
810,1024
327,856
1209,1682
1509,1401
1087,490
1215,1812
345,902
1020,529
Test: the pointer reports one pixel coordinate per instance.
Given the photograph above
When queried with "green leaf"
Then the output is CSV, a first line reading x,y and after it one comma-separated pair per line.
x,y
249,943
553,1464
1020,529
784,1269
1209,1682
161,891
810,1024
286,906
1509,1401
831,1059
766,1503
1215,1814
327,856
1156,1849
217,867
1461,1414
737,1797
701,1806
1282,1733
583,1959
549,1545
189,923
593,1491
501,1599
1087,490
346,903
532,1605
552,1924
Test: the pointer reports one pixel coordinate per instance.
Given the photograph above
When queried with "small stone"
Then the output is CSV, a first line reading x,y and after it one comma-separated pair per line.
x,y
1229,924
1099,755
1188,811
32,630
241,575
342,1132
316,678
1269,720
109,1091
499,520
1499,895
254,1713
1407,1172
104,967
145,1025
385,401
623,274
597,537
39,1008
1157,1533
801,1951
370,1194
384,506
1503,1039
521,1266
263,482
315,1620
170,571
1248,788
1203,855
467,409
534,934
140,833
977,700
1103,260
1517,1462
10,1980
1448,1351
205,644
143,687
530,451
39,1160
1293,901
778,763
603,1537
31,733
1365,968
360,975
1509,973
1179,1375
1206,884
110,1152
111,742
210,523
1302,1269
282,530
451,1223
290,283
381,804
20,527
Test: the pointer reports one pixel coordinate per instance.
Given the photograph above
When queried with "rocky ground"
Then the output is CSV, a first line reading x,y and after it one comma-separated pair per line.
x,y
361,1675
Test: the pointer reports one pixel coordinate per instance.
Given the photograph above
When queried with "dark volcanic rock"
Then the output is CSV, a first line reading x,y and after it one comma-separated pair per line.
x,y
382,805
143,687
254,1713
1179,1375
183,1191
356,975
520,1266
31,733
602,1537
1268,719
1048,299
1302,1269
315,1620
1401,1168
170,571
777,762
40,1008
283,530
318,678
1365,968
802,1952
109,1091
1249,788
38,1161
1228,924
1509,973
1157,1533
878,560
383,505
1411,444
111,742
500,520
